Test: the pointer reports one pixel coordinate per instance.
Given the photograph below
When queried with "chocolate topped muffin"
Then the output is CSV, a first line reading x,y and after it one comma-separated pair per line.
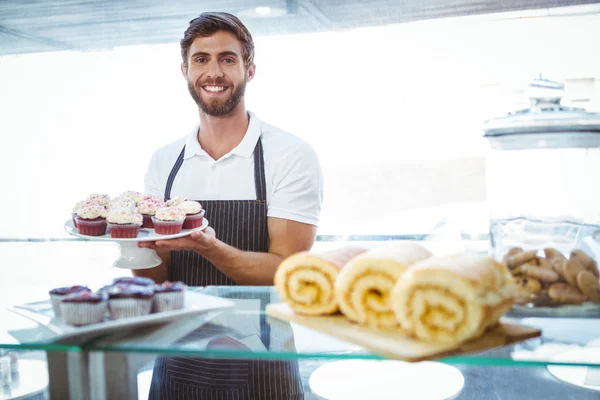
x,y
124,291
83,308
125,301
84,297
57,294
168,296
168,286
63,291
135,280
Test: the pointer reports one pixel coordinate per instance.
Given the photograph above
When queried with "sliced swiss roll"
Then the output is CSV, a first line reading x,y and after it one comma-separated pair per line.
x,y
306,280
453,298
364,285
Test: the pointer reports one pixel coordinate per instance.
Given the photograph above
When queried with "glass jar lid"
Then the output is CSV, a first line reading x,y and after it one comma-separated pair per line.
x,y
545,115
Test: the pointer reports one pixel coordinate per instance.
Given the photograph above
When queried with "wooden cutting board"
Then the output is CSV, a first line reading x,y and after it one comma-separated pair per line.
x,y
397,345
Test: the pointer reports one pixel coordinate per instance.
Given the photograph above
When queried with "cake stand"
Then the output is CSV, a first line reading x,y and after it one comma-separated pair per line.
x,y
132,256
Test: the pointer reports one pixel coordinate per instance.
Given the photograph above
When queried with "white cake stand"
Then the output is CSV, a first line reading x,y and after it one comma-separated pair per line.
x,y
133,257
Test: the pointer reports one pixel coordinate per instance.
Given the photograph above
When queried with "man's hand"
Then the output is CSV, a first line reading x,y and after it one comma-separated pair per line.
x,y
199,241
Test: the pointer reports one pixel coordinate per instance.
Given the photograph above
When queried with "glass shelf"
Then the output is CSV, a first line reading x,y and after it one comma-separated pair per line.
x,y
245,332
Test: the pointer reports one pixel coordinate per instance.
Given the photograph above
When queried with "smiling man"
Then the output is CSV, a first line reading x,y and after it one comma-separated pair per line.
x,y
261,187
262,190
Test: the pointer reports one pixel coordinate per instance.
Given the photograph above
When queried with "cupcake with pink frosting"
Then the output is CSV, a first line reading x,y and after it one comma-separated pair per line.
x,y
168,220
99,198
124,223
91,219
148,209
194,214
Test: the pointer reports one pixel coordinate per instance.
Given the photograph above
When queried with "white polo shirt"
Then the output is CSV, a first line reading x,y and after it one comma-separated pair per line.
x,y
293,174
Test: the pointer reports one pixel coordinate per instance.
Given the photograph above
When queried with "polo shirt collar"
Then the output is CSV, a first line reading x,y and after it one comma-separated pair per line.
x,y
244,149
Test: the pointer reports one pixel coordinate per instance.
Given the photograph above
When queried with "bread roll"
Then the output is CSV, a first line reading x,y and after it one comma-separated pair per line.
x,y
306,280
453,298
364,285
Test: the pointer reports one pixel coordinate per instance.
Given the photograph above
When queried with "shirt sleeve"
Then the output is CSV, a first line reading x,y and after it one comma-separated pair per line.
x,y
152,179
298,188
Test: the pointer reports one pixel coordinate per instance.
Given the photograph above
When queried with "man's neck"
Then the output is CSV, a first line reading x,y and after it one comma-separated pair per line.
x,y
219,135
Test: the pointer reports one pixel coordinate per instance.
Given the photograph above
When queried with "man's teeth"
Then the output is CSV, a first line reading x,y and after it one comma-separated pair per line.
x,y
214,88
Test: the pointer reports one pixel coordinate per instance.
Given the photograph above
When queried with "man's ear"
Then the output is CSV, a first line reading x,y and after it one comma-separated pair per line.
x,y
251,71
184,70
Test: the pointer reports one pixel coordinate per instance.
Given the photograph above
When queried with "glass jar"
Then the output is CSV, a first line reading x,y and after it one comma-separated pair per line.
x,y
543,175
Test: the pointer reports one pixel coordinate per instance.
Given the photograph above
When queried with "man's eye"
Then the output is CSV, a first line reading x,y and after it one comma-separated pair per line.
x,y
228,60
200,59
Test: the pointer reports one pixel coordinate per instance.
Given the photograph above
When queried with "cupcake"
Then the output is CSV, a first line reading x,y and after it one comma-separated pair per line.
x,y
193,214
136,197
151,197
175,201
83,308
76,208
134,280
99,198
125,301
124,223
168,296
91,220
148,209
168,220
120,202
57,294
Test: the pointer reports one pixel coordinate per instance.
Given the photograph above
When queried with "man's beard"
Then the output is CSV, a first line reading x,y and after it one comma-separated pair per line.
x,y
214,108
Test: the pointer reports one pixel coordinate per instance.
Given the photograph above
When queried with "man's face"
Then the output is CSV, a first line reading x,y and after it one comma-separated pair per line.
x,y
215,73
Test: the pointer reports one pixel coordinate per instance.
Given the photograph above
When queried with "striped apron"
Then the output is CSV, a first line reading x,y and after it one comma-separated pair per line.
x,y
241,224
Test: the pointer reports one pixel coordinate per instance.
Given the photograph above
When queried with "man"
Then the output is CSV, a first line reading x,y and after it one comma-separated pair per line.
x,y
261,187
262,192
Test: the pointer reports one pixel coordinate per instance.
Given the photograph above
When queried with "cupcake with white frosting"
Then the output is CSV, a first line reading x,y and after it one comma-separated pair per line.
x,y
194,214
91,219
175,201
124,223
76,208
153,197
168,220
121,202
99,198
132,195
148,209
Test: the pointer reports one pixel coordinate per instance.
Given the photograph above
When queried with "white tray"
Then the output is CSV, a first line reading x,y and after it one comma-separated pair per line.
x,y
133,257
42,313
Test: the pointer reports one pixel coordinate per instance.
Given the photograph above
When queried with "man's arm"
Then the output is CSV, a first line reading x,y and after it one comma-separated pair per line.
x,y
157,274
245,267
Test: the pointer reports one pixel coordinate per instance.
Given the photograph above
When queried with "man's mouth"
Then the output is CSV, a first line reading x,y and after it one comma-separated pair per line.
x,y
214,88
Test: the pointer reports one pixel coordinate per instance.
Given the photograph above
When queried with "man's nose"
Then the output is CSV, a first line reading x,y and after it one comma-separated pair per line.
x,y
215,70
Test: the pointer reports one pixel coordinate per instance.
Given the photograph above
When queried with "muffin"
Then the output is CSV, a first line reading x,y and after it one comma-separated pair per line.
x,y
148,209
125,301
99,198
194,214
175,201
76,208
83,308
124,223
168,296
136,197
134,280
91,220
168,220
57,294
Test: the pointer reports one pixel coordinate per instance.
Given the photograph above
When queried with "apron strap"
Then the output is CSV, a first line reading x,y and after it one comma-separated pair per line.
x,y
259,173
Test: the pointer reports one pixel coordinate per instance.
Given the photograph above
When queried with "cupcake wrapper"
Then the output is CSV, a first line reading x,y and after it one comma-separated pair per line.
x,y
123,231
147,221
56,299
83,313
127,308
91,228
167,301
167,227
194,220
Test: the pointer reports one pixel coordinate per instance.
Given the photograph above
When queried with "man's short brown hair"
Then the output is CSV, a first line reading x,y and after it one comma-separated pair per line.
x,y
208,23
